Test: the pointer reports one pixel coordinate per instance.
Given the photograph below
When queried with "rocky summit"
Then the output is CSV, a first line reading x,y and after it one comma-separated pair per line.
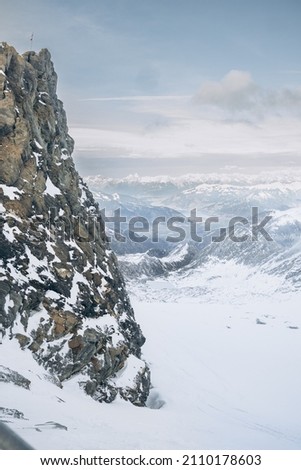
x,y
62,296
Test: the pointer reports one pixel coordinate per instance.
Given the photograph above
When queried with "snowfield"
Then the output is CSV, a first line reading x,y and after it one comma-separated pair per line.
x,y
225,376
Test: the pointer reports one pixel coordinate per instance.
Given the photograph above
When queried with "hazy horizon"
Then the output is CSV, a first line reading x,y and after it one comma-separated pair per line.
x,y
121,167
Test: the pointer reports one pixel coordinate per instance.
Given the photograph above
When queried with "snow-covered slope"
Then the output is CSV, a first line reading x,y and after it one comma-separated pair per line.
x,y
189,264
224,375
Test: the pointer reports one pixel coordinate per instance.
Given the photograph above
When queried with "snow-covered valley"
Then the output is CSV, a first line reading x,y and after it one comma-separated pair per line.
x,y
223,329
224,374
221,380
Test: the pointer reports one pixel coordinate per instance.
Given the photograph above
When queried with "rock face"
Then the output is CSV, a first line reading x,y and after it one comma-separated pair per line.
x,y
61,293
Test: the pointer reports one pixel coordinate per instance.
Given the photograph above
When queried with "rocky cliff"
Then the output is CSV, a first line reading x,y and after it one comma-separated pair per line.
x,y
61,293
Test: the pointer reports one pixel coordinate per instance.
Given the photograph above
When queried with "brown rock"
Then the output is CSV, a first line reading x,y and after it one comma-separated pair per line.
x,y
23,340
76,342
64,322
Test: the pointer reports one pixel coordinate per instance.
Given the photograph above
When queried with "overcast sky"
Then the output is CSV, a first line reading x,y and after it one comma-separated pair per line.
x,y
212,82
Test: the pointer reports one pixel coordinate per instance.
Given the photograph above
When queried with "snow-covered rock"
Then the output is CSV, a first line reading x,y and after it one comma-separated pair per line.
x,y
61,292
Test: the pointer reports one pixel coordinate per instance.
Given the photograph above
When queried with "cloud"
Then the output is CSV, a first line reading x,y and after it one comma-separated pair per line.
x,y
240,97
285,100
193,138
235,91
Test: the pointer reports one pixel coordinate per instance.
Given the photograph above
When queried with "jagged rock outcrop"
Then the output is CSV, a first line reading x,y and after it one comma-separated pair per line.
x,y
61,293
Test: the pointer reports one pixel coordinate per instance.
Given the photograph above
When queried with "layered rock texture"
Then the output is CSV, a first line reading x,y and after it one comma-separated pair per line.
x,y
61,293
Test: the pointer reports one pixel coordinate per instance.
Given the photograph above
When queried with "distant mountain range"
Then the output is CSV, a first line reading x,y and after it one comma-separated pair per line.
x,y
220,196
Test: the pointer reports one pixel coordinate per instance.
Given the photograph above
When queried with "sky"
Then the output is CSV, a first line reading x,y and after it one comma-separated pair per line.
x,y
171,86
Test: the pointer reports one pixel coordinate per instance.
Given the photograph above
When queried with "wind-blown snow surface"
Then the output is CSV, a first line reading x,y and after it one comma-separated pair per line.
x,y
224,376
